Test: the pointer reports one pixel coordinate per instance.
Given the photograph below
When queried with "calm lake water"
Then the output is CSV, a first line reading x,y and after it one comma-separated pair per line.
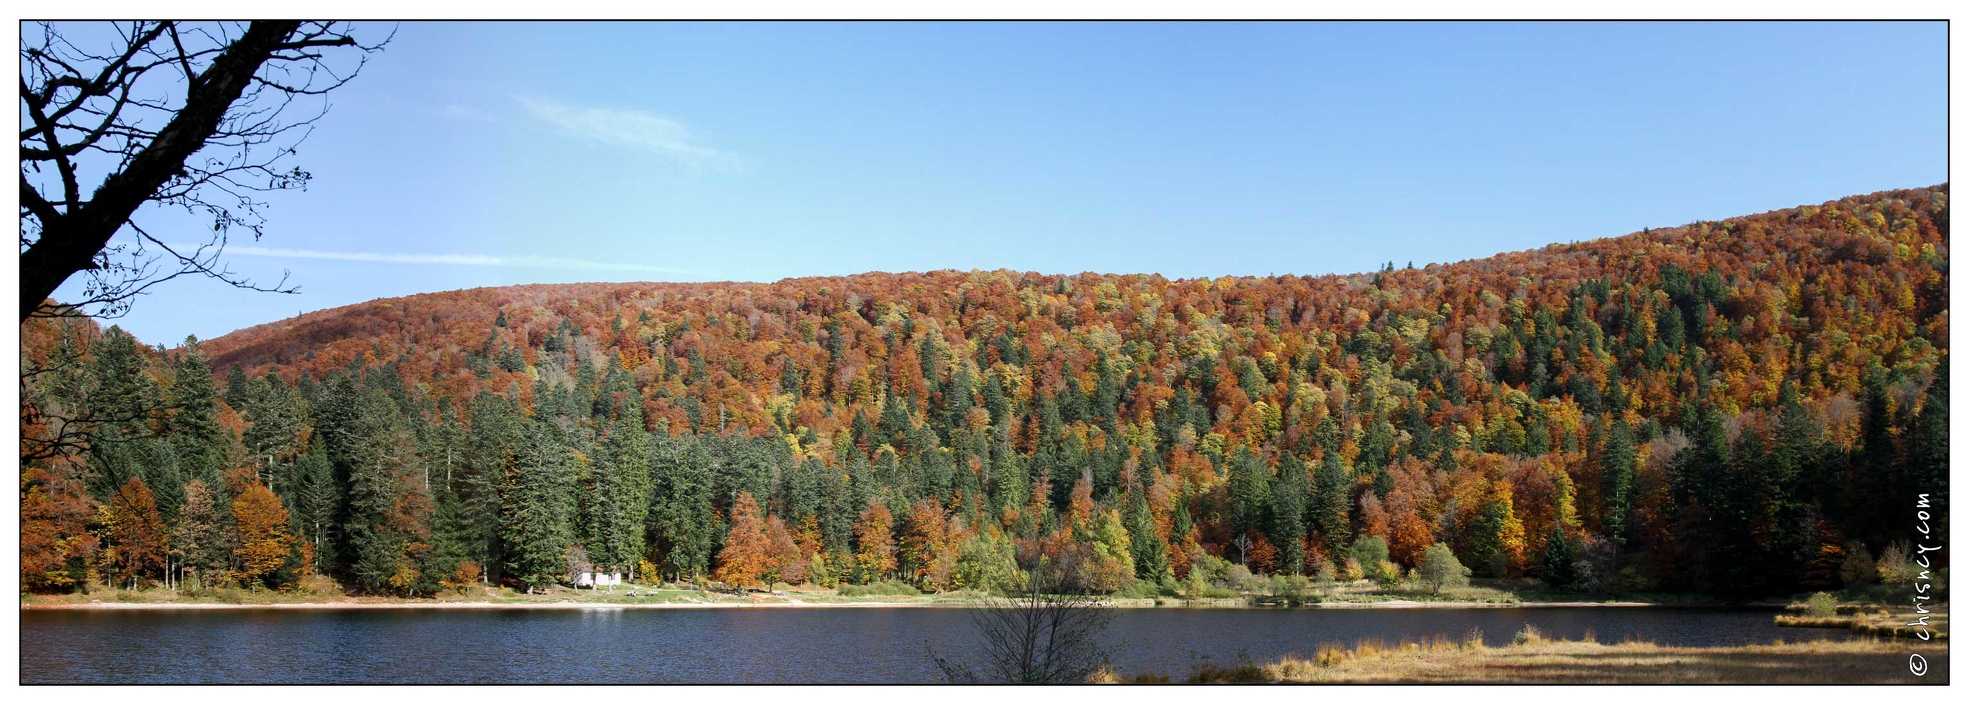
x,y
839,645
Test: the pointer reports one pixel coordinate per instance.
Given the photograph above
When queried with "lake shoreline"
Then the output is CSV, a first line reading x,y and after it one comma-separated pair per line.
x,y
1536,660
374,640
580,605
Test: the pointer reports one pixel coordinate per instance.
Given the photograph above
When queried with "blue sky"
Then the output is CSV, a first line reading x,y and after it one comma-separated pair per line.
x,y
489,154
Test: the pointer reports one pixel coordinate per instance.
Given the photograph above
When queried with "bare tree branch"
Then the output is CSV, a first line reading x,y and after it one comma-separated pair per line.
x,y
205,134
1048,633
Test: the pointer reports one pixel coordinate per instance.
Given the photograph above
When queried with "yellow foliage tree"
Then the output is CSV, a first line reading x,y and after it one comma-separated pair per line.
x,y
264,544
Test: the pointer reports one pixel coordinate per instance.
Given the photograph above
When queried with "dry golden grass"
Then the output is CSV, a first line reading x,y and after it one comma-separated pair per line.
x,y
1537,660
1880,623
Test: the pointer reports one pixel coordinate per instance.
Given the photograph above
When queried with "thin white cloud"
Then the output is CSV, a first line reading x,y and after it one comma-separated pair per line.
x,y
627,128
462,260
466,112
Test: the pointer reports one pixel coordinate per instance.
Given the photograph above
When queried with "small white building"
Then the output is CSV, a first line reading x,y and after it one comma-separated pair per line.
x,y
597,579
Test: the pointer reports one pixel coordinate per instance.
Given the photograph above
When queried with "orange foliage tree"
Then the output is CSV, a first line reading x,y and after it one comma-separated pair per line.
x,y
789,562
875,541
926,552
56,545
747,556
265,547
134,539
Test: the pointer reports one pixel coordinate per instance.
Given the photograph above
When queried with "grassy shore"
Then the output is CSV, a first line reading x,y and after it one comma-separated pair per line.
x,y
1872,619
1537,660
324,594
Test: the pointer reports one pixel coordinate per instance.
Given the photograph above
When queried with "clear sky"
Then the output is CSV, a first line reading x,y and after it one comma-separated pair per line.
x,y
488,154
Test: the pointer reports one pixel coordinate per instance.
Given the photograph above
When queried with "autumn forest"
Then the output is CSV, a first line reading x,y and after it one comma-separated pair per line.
x,y
1738,408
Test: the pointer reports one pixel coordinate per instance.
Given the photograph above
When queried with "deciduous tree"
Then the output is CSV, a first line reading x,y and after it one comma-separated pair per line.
x,y
748,555
266,553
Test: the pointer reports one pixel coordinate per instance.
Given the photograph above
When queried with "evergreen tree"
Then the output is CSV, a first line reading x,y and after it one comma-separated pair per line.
x,y
236,387
277,419
125,397
617,496
1928,449
1619,465
1147,549
387,527
451,549
1331,505
1289,516
1497,537
1556,565
682,522
200,442
316,498
539,514
1250,494
491,452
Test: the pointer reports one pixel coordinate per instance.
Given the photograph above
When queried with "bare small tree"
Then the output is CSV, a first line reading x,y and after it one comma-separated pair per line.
x,y
1050,633
1243,545
199,117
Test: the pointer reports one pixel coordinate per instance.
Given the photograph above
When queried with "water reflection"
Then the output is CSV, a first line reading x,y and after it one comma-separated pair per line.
x,y
741,646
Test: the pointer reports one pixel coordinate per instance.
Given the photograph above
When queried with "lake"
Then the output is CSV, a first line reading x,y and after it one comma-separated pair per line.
x,y
835,645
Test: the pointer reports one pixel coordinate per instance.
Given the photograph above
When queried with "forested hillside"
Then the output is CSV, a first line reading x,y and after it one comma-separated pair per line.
x,y
1737,407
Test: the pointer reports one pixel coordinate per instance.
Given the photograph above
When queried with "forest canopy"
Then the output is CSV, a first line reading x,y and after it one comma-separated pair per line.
x,y
1736,407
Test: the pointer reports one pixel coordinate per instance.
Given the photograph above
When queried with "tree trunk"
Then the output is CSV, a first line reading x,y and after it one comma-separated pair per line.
x,y
69,243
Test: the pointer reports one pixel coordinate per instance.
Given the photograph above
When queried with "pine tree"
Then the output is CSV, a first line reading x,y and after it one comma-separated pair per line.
x,y
201,444
236,392
125,396
539,513
316,498
1619,466
1289,516
1928,449
1250,494
277,419
491,451
1556,565
617,496
119,457
388,507
1149,551
681,516
453,555
1331,506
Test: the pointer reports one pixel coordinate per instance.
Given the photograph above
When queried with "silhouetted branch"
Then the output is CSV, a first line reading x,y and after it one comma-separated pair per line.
x,y
205,133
